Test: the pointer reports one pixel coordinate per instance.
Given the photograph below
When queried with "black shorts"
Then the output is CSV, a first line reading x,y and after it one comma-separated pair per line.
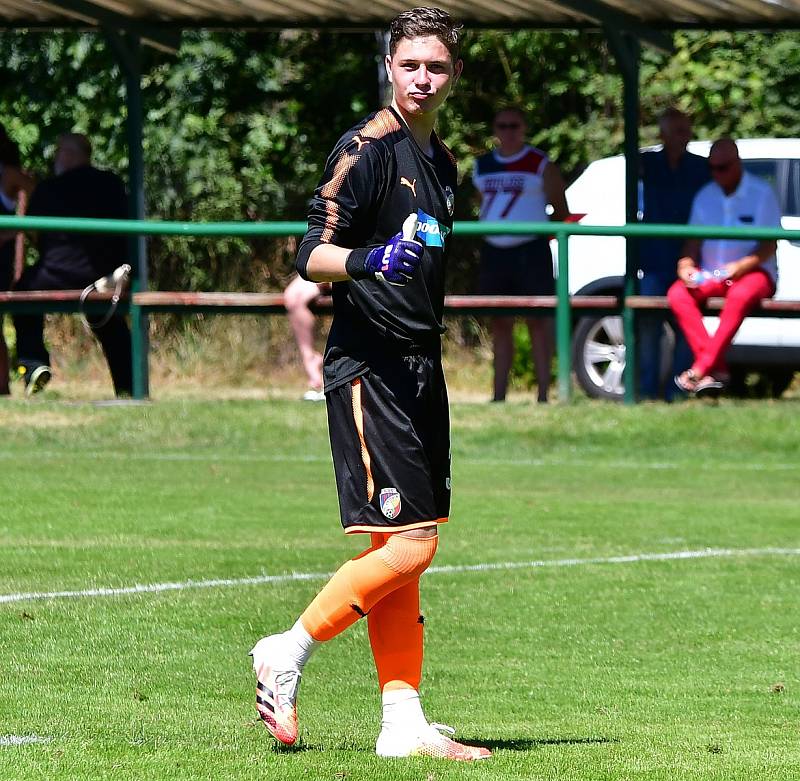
x,y
390,439
526,270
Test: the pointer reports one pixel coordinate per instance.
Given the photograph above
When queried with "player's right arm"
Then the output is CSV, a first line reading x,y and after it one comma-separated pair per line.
x,y
327,263
342,216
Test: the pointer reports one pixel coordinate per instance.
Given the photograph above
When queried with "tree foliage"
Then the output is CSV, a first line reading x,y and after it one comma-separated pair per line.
x,y
238,125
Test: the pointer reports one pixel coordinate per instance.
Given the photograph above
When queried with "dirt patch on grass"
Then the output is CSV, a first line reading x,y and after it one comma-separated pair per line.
x,y
29,416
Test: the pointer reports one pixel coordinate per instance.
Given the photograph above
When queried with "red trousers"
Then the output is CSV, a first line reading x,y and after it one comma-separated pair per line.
x,y
741,295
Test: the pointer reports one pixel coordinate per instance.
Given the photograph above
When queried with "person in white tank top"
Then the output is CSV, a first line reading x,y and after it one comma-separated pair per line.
x,y
517,182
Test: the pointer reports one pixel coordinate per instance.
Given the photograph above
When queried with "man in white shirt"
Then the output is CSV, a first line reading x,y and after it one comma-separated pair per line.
x,y
743,270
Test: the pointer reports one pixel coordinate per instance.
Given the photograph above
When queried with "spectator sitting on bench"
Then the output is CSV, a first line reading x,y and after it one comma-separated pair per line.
x,y
74,260
743,271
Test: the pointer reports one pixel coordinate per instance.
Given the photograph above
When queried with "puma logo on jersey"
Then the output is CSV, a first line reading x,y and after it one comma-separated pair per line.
x,y
412,185
360,141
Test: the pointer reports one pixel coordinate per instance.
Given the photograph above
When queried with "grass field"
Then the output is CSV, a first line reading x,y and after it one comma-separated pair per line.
x,y
591,651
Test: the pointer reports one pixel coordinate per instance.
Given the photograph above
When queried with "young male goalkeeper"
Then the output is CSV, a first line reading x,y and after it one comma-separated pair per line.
x,y
379,228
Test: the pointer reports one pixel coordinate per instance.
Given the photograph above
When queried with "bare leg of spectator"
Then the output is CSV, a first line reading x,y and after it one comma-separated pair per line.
x,y
542,347
297,297
502,339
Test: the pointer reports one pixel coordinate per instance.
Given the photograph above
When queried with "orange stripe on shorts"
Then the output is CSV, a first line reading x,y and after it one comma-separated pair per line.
x,y
358,416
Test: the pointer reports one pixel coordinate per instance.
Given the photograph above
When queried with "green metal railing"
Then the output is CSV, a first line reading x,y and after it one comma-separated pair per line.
x,y
561,231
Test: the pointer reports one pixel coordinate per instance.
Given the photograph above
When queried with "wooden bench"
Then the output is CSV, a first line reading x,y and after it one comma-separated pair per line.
x,y
166,301
273,303
41,301
38,301
767,308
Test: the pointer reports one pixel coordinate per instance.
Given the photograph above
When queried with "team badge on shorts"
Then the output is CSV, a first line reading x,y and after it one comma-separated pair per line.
x,y
450,198
390,502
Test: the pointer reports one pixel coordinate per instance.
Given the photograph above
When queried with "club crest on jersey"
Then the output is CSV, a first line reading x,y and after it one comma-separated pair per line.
x,y
450,199
429,231
390,502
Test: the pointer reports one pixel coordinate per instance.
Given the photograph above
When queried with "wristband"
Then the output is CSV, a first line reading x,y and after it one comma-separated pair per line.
x,y
354,265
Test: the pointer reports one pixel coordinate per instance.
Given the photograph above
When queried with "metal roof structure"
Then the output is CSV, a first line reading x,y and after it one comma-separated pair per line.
x,y
184,14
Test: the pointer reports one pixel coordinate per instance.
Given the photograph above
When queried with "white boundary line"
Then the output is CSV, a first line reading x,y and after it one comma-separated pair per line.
x,y
22,740
154,588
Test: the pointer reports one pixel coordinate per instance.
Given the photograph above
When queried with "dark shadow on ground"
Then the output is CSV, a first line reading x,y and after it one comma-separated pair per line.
x,y
526,744
512,744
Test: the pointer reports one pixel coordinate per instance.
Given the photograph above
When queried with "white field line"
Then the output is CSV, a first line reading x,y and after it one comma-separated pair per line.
x,y
279,458
154,588
22,740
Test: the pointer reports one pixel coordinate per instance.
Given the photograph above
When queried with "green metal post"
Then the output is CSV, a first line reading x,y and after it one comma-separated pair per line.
x,y
631,93
563,320
140,338
627,50
128,49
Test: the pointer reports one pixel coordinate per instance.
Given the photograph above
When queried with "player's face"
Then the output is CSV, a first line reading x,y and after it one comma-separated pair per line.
x,y
422,73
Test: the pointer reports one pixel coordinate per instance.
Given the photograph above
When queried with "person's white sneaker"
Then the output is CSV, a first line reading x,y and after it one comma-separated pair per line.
x,y
427,742
277,681
312,394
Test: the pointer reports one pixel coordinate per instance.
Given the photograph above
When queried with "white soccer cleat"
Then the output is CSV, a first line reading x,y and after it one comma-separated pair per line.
x,y
277,681
427,742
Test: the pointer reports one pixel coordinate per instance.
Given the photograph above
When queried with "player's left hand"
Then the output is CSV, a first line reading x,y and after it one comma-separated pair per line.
x,y
396,261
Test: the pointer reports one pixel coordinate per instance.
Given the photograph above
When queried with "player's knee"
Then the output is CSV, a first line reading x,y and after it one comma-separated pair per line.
x,y
409,556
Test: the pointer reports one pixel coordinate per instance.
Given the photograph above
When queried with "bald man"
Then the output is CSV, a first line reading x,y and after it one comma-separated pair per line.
x,y
743,271
70,261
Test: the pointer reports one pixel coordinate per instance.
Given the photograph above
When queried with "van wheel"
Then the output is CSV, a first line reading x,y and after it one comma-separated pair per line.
x,y
598,355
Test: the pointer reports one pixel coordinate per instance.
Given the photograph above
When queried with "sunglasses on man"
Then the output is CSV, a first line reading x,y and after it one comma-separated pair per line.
x,y
507,125
720,167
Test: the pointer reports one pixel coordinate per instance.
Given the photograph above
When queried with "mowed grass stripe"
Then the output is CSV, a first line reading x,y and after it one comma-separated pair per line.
x,y
278,458
256,580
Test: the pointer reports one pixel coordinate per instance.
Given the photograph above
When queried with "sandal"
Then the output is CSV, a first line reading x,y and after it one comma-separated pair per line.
x,y
687,381
709,386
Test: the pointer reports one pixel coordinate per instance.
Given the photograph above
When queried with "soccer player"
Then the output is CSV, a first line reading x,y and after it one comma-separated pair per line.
x,y
379,225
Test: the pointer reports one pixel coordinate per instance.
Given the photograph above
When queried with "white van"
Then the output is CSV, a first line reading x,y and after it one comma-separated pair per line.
x,y
766,351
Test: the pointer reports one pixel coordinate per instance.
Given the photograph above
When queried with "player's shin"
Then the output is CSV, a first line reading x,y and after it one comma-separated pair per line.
x,y
396,636
363,582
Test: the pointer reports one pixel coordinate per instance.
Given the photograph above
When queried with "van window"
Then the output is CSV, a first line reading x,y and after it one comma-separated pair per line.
x,y
783,176
792,208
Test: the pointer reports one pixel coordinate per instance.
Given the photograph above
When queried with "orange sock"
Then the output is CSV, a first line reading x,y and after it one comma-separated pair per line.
x,y
362,582
395,634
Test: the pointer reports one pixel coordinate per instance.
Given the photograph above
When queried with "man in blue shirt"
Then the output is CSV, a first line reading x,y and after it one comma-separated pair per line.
x,y
670,177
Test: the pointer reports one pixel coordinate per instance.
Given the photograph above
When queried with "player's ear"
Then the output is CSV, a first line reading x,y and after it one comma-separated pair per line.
x,y
388,63
459,66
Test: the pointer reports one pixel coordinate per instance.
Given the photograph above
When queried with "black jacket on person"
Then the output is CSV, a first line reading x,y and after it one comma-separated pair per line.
x,y
80,258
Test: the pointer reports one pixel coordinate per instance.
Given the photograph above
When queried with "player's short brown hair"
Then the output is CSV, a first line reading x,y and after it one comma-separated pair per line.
x,y
420,22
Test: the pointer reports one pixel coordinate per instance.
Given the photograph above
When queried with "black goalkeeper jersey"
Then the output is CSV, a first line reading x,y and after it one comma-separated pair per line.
x,y
374,178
